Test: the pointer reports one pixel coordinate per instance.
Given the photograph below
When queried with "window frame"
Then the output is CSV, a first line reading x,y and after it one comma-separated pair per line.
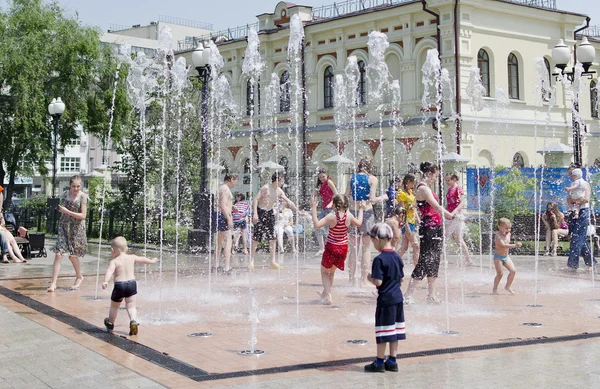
x,y
484,76
514,90
328,77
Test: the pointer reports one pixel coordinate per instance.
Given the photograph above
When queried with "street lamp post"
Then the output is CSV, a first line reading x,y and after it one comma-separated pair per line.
x,y
56,108
585,53
198,237
200,58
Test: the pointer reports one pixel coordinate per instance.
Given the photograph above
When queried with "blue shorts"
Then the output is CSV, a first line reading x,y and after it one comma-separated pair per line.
x,y
411,226
221,222
503,258
389,323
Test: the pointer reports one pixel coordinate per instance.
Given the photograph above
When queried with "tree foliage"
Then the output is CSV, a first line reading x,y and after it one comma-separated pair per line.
x,y
46,54
510,198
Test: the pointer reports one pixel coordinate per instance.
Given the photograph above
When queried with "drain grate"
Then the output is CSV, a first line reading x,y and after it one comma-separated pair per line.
x,y
359,342
200,334
252,352
473,296
450,332
596,300
532,324
92,298
534,305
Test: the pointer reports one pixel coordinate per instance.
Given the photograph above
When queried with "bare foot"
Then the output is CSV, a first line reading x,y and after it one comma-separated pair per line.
x,y
327,300
77,283
509,290
468,262
495,291
245,252
52,288
321,294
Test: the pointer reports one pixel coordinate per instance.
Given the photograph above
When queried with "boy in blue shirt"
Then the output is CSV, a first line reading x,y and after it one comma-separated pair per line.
x,y
386,275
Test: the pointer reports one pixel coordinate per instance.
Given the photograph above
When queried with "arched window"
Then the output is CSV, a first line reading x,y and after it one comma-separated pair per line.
x,y
518,161
328,87
594,98
597,163
284,89
547,84
513,77
362,83
249,98
483,63
247,166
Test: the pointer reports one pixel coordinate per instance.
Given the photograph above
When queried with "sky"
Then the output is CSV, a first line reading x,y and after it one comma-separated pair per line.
x,y
222,14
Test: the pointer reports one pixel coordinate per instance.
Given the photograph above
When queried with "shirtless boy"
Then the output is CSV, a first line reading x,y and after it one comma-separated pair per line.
x,y
122,267
501,258
263,215
225,221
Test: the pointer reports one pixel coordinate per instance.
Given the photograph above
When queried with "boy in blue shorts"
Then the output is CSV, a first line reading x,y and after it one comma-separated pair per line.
x,y
501,258
386,274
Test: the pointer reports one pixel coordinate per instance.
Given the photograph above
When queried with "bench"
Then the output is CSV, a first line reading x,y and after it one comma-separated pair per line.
x,y
524,230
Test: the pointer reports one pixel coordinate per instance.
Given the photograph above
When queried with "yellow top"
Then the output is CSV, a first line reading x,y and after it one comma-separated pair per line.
x,y
409,204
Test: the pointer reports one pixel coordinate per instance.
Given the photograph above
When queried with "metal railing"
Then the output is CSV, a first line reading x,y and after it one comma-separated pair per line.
x,y
590,32
549,4
351,6
117,27
185,22
240,32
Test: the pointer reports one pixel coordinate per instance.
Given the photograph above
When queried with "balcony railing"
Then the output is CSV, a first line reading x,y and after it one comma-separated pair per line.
x,y
548,4
351,6
240,32
590,32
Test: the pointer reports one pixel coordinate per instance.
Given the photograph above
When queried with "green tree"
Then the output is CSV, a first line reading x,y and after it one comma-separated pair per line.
x,y
510,198
45,54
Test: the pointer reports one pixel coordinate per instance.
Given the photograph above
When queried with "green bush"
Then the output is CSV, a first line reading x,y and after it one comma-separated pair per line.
x,y
509,198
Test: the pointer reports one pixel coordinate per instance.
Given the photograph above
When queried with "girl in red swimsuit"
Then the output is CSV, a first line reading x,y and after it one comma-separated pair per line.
x,y
336,248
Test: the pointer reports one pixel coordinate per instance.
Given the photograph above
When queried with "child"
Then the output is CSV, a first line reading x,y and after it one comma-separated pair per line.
x,y
396,220
336,247
284,225
122,267
12,248
576,191
501,258
386,275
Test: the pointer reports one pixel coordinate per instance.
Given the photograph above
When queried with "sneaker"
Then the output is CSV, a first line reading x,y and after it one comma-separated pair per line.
x,y
433,300
133,327
251,266
109,326
275,266
375,368
408,301
390,366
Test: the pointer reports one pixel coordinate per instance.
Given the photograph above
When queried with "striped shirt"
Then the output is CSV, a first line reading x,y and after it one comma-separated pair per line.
x,y
338,234
242,209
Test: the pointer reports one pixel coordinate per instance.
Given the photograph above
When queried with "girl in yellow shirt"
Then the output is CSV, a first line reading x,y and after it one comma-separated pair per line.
x,y
406,198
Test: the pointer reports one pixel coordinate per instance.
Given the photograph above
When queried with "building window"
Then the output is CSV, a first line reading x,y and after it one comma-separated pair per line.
x,y
594,98
513,77
483,63
284,86
247,166
518,161
76,141
249,98
547,84
69,164
362,83
328,87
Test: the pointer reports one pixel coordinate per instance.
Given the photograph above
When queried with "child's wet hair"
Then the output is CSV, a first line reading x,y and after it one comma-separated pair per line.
x,y
503,222
341,201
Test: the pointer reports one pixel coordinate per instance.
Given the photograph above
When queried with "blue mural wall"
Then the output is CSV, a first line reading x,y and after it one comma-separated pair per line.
x,y
554,181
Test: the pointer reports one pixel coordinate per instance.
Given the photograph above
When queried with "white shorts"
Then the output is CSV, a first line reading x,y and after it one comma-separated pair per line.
x,y
455,225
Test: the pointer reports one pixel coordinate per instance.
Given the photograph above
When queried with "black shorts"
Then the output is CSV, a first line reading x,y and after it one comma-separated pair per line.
x,y
430,252
123,289
265,228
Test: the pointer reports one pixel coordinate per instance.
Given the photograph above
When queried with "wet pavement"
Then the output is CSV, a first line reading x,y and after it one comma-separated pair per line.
x,y
305,341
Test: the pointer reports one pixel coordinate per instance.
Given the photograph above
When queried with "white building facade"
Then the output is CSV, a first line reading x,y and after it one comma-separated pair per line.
x,y
505,39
